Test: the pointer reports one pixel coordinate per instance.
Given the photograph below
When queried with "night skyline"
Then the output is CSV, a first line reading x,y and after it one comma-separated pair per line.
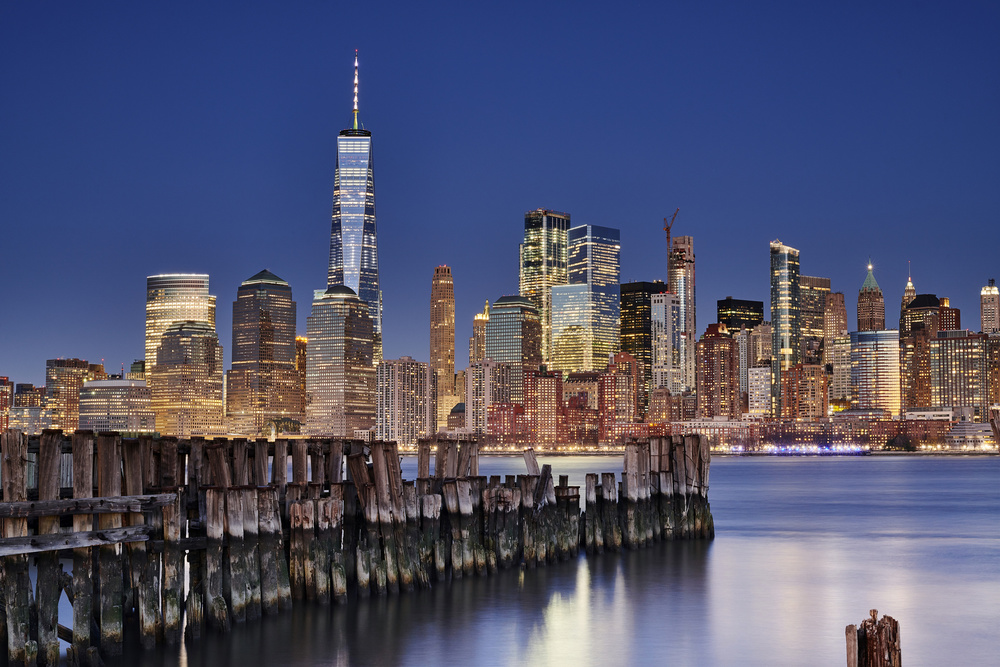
x,y
150,140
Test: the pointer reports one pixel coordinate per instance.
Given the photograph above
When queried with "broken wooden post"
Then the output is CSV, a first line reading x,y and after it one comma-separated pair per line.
x,y
272,556
173,570
146,597
83,582
251,550
875,643
17,586
609,512
48,568
215,524
109,483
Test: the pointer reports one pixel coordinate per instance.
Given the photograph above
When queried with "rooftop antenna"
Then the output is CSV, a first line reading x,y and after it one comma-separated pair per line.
x,y
355,89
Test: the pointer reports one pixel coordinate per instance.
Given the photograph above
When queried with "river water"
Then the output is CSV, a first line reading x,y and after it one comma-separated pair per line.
x,y
804,546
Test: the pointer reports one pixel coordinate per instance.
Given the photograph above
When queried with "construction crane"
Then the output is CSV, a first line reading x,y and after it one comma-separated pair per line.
x,y
667,226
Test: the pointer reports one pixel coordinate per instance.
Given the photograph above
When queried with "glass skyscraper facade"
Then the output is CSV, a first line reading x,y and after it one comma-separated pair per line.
x,y
186,382
173,298
544,263
636,328
513,336
680,281
785,318
353,242
875,370
665,320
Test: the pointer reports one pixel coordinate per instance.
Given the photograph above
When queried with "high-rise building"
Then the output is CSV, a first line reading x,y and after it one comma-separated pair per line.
x,y
813,293
875,370
665,319
486,383
761,345
786,326
477,343
443,330
544,263
123,406
301,348
6,401
960,373
680,281
173,298
64,379
637,329
737,314
585,313
353,239
759,391
834,319
513,337
543,407
263,384
804,392
909,294
838,355
718,387
186,381
340,378
618,397
989,308
405,401
871,304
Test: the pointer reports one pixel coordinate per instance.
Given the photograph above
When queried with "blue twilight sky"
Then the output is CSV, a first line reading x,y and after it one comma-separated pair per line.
x,y
152,137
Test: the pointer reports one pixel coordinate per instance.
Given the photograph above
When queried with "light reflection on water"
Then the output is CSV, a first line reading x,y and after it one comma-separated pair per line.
x,y
803,547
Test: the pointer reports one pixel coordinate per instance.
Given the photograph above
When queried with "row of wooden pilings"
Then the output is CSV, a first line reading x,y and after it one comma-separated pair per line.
x,y
135,513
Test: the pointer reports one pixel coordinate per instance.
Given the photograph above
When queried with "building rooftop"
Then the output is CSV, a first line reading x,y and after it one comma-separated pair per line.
x,y
264,276
340,290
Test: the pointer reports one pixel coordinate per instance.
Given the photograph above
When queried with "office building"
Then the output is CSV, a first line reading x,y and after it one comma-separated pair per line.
x,y
665,320
718,376
122,406
681,281
301,361
64,379
960,372
405,401
909,294
477,343
340,377
759,391
834,319
28,395
513,337
544,263
989,308
263,385
804,392
353,238
786,328
442,333
871,304
186,381
838,355
6,401
617,398
813,293
173,298
486,383
737,314
637,329
875,370
543,408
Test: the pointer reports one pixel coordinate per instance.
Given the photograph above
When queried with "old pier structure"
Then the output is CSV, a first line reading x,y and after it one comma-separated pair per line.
x,y
169,536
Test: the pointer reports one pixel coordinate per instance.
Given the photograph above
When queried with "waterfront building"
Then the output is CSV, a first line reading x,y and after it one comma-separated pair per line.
x,y
514,336
124,406
637,327
6,401
405,401
263,385
785,316
353,238
29,419
486,382
442,333
477,343
543,407
761,345
340,377
665,320
875,371
64,379
834,320
544,262
173,298
871,304
681,281
804,392
813,293
738,314
718,388
742,339
960,372
617,398
456,418
989,308
186,381
838,354
301,361
759,391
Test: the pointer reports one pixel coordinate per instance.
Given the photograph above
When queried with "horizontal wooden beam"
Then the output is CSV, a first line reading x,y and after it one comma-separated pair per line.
x,y
13,546
116,505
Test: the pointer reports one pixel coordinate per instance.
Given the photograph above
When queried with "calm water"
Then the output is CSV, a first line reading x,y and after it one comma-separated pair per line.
x,y
803,547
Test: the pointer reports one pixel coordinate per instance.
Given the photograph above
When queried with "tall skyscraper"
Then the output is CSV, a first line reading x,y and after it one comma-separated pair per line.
x,y
665,319
173,298
718,374
64,379
813,293
340,378
263,384
486,383
443,330
544,263
989,308
637,328
680,281
909,294
405,401
186,381
871,305
786,327
960,373
739,313
513,336
353,240
477,343
834,318
585,312
838,355
875,370
804,392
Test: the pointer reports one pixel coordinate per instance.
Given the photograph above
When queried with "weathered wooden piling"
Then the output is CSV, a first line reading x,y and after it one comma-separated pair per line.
x,y
15,568
48,568
173,571
875,643
109,484
83,582
251,550
215,524
145,595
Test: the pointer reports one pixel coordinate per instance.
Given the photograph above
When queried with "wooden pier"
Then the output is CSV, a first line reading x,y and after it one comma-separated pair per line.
x,y
170,535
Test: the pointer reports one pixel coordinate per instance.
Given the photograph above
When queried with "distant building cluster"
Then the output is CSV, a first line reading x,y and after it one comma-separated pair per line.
x,y
575,359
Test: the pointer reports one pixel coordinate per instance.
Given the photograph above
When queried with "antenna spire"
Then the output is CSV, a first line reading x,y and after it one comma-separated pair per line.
x,y
355,89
